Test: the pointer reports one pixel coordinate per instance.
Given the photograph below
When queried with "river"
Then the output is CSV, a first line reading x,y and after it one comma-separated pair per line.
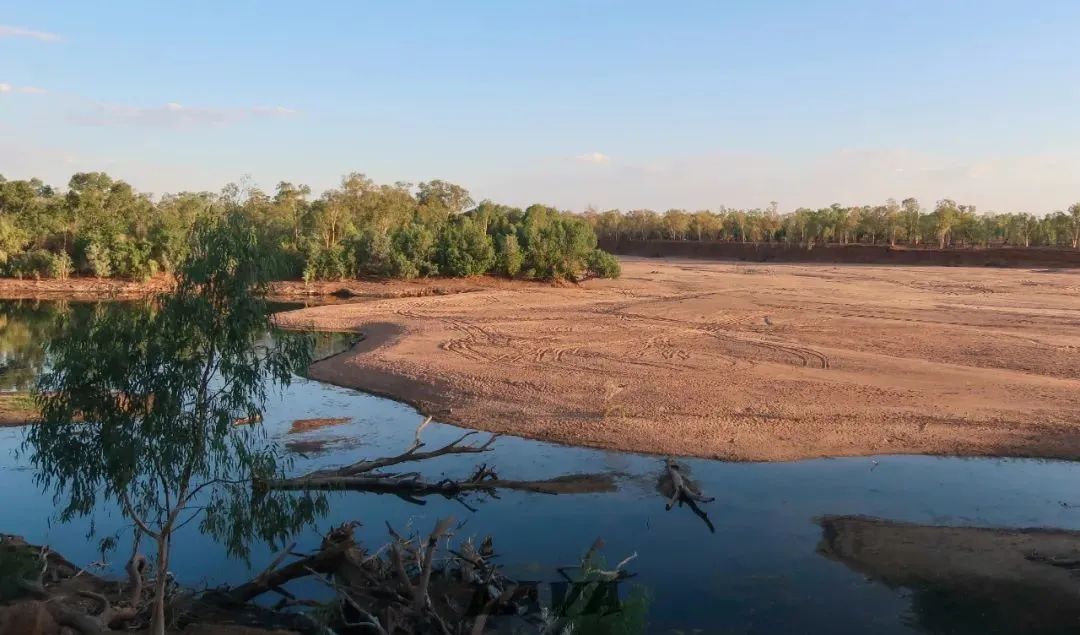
x,y
759,571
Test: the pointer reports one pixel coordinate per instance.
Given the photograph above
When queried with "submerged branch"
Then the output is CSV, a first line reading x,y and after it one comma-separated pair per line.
x,y
363,476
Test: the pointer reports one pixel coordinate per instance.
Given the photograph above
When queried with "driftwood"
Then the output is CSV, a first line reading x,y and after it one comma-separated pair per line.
x,y
412,485
412,454
365,476
327,559
419,584
59,584
680,489
414,584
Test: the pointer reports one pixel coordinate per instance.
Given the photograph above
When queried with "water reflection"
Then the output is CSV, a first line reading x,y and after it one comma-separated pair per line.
x,y
24,325
760,572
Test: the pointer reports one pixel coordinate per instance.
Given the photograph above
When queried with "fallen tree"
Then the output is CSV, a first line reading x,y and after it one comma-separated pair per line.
x,y
415,584
422,584
365,476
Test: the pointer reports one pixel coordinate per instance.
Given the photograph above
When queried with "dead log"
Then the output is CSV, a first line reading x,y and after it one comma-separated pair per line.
x,y
363,476
412,454
333,550
412,485
110,617
676,485
682,489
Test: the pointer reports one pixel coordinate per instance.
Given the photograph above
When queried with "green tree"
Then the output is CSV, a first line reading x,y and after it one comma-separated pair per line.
x,y
12,239
912,213
1074,214
374,254
676,224
601,264
414,252
508,256
138,407
945,216
98,259
438,194
464,249
556,245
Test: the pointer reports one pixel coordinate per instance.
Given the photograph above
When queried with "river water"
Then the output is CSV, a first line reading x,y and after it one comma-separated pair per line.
x,y
759,570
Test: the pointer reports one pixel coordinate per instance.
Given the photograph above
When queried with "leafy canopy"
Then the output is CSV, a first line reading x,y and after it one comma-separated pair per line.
x,y
139,407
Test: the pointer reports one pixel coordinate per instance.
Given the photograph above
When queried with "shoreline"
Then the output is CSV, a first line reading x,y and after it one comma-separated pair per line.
x,y
624,366
17,409
95,289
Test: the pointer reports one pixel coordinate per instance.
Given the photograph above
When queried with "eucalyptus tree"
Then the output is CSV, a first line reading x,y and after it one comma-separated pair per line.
x,y
945,217
1074,213
139,408
676,224
912,212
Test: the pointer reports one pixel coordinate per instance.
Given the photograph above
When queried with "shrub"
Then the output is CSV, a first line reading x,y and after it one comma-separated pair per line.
x,y
59,265
556,245
464,249
508,257
374,254
327,263
601,264
414,252
12,239
98,260
39,263
335,263
131,259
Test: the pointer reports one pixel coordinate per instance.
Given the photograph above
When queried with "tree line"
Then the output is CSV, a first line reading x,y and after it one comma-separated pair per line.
x,y
100,226
947,224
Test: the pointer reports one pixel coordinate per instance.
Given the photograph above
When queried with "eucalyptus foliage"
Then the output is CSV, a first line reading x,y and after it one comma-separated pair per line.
x,y
102,227
140,407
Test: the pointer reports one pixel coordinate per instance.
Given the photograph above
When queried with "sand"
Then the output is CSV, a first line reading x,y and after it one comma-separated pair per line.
x,y
740,362
965,579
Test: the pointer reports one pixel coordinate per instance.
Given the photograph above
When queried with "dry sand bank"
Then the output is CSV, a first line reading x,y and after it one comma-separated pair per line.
x,y
966,579
742,362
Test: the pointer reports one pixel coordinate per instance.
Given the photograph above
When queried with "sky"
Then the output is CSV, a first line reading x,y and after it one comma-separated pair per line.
x,y
613,104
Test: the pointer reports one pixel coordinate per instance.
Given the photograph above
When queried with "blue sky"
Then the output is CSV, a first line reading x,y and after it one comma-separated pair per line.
x,y
613,104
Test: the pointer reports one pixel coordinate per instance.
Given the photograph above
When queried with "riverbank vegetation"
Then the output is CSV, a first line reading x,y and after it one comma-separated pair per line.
x,y
139,404
102,227
947,224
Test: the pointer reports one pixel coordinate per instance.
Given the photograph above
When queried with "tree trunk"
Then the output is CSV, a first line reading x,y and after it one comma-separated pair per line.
x,y
157,624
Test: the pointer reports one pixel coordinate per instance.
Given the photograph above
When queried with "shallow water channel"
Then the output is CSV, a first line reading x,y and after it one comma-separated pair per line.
x,y
767,567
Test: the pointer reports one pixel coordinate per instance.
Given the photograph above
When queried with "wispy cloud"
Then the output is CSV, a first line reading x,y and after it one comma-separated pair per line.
x,y
593,157
173,115
25,90
18,31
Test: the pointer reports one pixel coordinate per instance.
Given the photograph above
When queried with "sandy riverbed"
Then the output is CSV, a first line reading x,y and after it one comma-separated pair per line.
x,y
736,361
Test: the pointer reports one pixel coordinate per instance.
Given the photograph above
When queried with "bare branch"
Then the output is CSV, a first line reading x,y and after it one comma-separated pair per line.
x,y
420,596
372,621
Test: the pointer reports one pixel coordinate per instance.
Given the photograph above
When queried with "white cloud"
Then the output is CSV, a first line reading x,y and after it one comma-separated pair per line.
x,y
174,115
18,31
593,157
25,90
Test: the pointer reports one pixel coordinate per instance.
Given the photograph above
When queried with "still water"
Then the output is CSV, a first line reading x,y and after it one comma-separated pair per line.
x,y
759,571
